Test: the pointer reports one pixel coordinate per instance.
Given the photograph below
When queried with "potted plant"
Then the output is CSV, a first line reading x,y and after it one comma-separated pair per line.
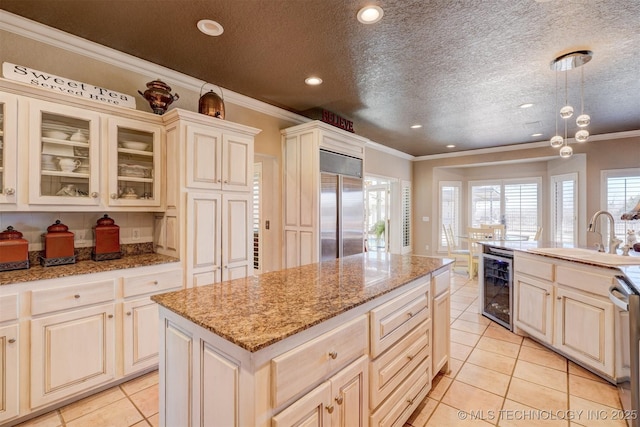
x,y
378,230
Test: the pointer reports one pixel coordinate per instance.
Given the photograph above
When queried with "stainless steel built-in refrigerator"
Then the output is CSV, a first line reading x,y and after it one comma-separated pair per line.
x,y
341,206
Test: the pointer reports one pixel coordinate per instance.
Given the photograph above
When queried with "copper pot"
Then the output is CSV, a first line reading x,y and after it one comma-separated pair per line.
x,y
159,96
211,104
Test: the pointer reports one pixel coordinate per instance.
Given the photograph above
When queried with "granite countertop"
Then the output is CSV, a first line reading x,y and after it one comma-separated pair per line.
x,y
37,272
258,311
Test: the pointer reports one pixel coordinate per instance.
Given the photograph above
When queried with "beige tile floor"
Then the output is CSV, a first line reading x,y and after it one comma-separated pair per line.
x,y
496,377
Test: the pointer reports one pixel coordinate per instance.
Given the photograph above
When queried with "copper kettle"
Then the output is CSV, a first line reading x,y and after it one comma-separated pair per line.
x,y
159,96
211,104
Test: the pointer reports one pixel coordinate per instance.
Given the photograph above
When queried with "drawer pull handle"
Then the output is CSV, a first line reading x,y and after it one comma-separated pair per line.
x,y
155,282
410,401
410,314
128,313
110,316
76,296
333,354
12,340
339,400
330,409
410,357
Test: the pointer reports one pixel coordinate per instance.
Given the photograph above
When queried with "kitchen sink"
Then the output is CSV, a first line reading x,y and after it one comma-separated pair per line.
x,y
589,255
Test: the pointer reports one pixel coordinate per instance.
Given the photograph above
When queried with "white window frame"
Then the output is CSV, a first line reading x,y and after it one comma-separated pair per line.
x,y
554,181
604,175
457,225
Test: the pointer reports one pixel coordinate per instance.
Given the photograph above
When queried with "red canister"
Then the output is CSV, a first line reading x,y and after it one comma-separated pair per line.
x,y
58,245
107,235
14,250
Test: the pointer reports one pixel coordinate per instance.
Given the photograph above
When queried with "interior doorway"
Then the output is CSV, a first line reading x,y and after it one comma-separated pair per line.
x,y
377,205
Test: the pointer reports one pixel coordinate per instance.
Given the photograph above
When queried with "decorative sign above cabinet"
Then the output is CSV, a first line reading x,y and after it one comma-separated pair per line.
x,y
44,80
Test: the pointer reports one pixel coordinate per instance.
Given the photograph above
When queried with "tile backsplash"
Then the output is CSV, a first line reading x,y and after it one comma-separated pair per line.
x,y
135,227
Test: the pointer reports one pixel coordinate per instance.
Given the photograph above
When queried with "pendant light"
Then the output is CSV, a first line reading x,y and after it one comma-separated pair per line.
x,y
564,63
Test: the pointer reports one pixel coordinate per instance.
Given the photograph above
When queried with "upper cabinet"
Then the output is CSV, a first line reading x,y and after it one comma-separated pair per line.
x,y
64,152
134,163
8,148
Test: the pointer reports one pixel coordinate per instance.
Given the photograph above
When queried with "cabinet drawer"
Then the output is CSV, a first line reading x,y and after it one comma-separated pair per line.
x,y
540,269
392,320
590,281
313,361
151,283
393,366
8,307
80,295
397,409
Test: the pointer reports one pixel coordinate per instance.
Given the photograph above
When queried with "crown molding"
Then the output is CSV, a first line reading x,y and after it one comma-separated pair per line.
x,y
388,150
39,32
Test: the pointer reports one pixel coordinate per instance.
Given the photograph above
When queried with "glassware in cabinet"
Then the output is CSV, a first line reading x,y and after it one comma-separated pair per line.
x,y
8,148
134,175
65,154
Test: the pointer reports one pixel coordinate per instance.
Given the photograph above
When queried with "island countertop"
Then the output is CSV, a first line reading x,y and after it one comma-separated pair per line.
x,y
255,312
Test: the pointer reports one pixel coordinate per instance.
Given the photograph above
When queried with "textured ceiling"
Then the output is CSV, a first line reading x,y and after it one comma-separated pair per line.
x,y
460,68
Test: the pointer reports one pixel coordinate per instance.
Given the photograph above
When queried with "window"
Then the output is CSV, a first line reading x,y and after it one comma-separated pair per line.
x,y
257,232
406,217
622,194
450,202
564,208
515,203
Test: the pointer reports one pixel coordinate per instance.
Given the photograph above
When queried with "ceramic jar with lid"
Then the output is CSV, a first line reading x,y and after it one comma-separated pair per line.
x,y
58,245
14,250
107,235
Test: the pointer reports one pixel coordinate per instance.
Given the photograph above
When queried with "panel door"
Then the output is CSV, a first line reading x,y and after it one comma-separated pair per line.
x,y
204,158
140,333
584,329
237,238
219,382
349,391
71,352
534,307
9,367
64,155
441,331
311,410
204,225
176,399
237,163
8,148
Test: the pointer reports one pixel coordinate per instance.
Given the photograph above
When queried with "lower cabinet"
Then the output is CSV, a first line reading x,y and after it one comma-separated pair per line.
x,y
71,352
533,301
441,306
339,401
140,334
8,372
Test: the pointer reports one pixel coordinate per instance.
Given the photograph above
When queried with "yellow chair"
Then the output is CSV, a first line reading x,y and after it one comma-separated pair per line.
x,y
538,235
453,252
475,235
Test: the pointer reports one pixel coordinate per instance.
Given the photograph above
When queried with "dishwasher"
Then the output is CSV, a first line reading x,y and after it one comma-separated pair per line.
x,y
627,297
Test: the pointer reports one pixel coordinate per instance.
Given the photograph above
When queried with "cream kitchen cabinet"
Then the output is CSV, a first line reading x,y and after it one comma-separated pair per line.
x,y
441,306
135,171
8,148
301,184
9,360
340,401
533,301
62,170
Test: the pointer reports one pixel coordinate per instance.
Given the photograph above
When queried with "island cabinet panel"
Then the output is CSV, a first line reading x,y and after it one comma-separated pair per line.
x,y
177,388
441,306
307,364
309,411
533,300
392,320
220,380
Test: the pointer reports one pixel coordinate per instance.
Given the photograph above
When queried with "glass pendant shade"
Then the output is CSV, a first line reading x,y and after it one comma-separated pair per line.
x,y
566,111
583,120
582,135
556,141
566,152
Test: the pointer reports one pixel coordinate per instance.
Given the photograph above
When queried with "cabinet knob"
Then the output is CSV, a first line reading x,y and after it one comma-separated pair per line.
x,y
339,400
110,316
333,354
548,293
12,340
94,195
76,296
219,180
410,401
226,181
155,282
410,314
128,313
558,298
410,357
226,266
9,191
330,409
114,196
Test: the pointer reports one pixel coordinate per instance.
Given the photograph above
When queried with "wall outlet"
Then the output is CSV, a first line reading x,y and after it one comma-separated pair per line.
x,y
80,235
135,234
425,218
426,247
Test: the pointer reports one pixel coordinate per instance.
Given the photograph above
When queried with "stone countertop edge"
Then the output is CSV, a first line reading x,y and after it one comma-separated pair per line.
x,y
258,311
37,272
631,272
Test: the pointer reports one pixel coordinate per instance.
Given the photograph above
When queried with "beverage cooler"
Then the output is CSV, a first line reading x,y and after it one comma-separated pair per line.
x,y
497,284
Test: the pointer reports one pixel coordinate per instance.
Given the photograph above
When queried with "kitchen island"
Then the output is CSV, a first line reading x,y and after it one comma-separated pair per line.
x,y
299,344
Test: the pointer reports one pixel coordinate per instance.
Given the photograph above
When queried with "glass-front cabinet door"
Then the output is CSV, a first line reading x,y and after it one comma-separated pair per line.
x,y
8,148
134,163
64,155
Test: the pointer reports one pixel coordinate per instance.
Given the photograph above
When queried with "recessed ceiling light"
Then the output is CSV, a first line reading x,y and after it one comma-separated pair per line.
x,y
451,146
416,126
370,14
209,27
313,81
527,105
536,134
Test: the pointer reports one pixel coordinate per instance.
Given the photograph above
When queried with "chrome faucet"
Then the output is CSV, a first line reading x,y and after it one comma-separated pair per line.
x,y
594,227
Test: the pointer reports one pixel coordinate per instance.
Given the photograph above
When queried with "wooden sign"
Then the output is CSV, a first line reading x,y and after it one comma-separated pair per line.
x,y
59,84
337,121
